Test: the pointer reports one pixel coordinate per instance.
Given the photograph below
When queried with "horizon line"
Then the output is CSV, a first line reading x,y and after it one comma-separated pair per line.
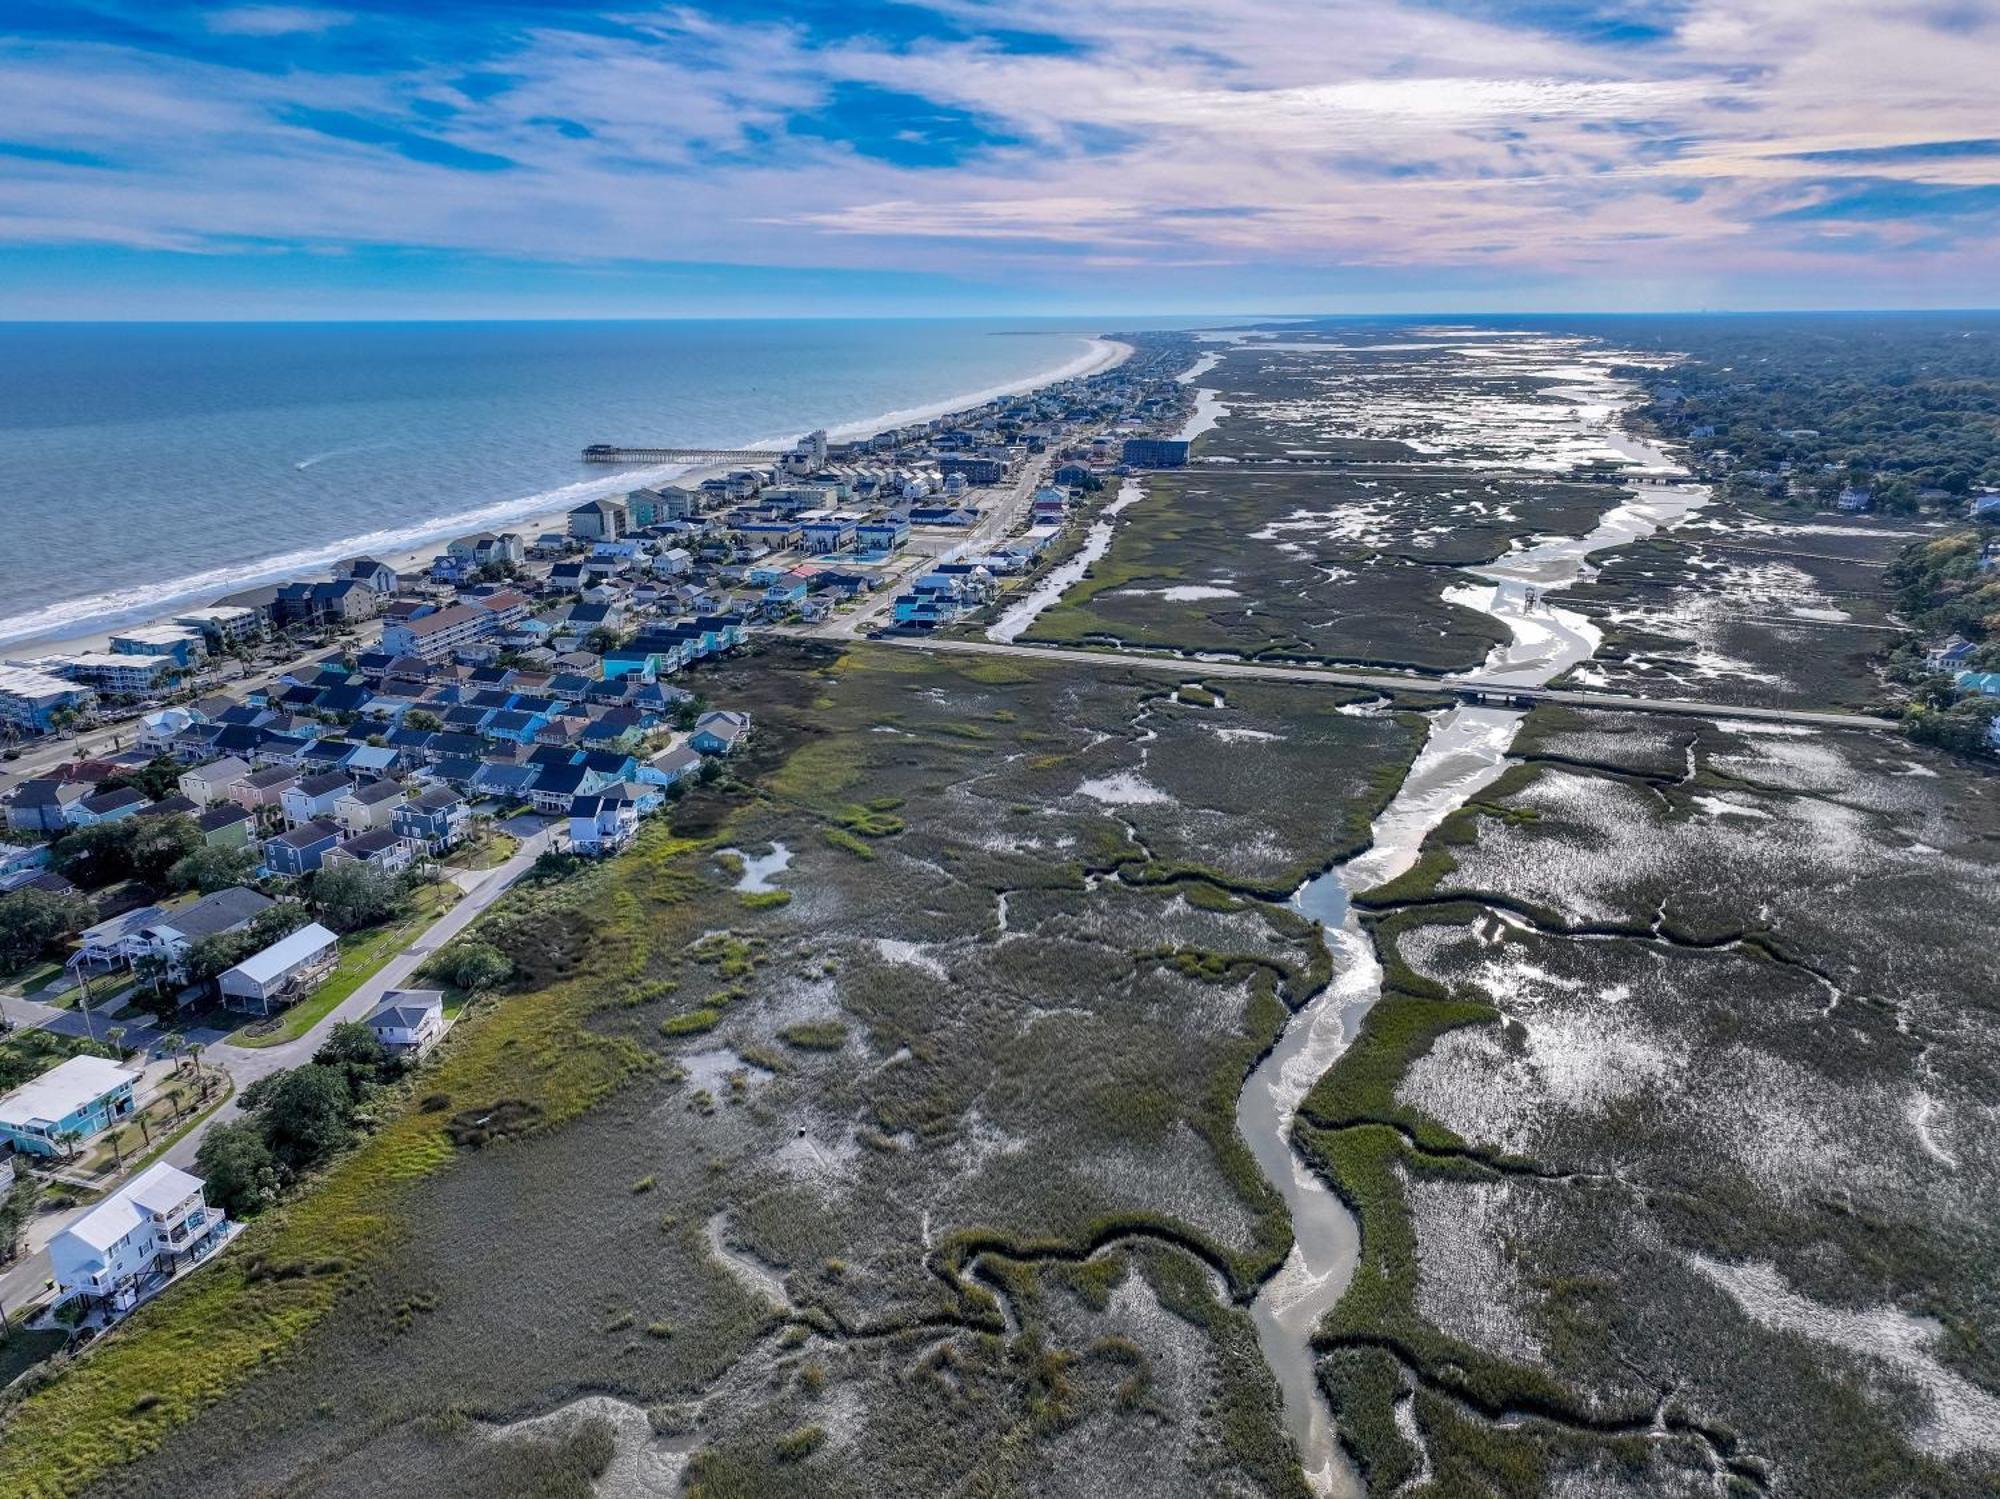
x,y
991,317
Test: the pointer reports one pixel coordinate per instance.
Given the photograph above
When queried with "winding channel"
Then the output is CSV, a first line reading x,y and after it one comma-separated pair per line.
x,y
1464,752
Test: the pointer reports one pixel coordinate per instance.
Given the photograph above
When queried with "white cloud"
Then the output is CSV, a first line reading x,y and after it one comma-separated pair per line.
x,y
272,20
1263,134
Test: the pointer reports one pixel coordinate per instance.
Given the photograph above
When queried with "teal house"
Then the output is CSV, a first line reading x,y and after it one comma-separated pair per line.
x,y
70,1104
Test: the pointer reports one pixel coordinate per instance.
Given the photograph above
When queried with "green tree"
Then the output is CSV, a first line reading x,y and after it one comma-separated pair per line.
x,y
96,856
352,896
237,1169
304,1114
159,777
33,921
158,844
208,870
471,966
17,1211
356,1052
423,721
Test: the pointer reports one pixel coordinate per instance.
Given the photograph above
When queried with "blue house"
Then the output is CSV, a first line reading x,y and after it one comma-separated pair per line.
x,y
1985,683
299,851
882,535
436,818
81,1097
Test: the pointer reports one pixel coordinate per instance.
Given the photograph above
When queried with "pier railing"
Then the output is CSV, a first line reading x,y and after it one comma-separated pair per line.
x,y
605,452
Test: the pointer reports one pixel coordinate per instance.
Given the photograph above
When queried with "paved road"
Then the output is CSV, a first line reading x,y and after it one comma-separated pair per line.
x,y
1390,682
26,1278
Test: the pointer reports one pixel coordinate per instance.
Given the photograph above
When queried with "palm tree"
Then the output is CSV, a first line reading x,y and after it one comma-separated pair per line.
x,y
173,1044
69,1139
116,1036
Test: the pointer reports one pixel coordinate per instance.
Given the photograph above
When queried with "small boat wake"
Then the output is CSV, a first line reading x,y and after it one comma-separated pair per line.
x,y
318,458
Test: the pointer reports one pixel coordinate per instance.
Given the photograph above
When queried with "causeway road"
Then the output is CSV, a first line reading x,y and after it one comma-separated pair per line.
x,y
1384,681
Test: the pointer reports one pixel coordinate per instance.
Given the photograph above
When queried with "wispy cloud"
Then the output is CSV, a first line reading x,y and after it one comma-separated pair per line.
x,y
1083,143
272,20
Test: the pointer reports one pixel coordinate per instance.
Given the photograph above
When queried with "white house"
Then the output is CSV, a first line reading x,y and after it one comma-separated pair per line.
x,y
132,1243
287,970
602,825
408,1021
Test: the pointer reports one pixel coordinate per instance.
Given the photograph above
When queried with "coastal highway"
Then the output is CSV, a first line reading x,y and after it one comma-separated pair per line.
x,y
1382,681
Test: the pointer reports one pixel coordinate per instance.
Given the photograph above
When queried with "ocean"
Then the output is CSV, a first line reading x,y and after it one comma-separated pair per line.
x,y
150,466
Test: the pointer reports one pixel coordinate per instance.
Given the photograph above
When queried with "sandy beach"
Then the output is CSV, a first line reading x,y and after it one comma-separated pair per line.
x,y
1101,354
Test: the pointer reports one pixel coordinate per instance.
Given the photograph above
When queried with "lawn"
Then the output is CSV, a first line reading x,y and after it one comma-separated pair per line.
x,y
25,981
148,1134
489,852
362,955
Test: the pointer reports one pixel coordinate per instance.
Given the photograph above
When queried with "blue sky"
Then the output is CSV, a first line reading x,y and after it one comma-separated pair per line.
x,y
1063,156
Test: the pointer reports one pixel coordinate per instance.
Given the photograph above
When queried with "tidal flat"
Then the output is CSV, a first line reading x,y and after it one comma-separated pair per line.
x,y
1681,1020
875,1125
1740,605
924,1177
1278,545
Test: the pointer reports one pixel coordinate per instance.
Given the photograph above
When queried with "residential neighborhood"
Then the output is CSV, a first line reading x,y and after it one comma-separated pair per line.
x,y
233,839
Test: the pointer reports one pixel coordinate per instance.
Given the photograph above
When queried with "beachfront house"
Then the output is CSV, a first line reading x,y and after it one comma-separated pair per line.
x,y
598,520
226,825
66,1107
287,970
30,698
378,848
313,798
218,778
136,1240
42,806
436,637
181,646
669,767
170,934
408,1022
108,806
601,825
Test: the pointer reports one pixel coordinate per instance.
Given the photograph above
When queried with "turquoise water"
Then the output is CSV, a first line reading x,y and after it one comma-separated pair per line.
x,y
147,466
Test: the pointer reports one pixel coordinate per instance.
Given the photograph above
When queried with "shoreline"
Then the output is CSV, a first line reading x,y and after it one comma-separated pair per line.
x,y
407,548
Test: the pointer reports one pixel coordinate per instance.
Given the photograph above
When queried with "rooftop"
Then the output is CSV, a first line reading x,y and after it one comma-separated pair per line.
x,y
271,963
62,1090
158,1189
